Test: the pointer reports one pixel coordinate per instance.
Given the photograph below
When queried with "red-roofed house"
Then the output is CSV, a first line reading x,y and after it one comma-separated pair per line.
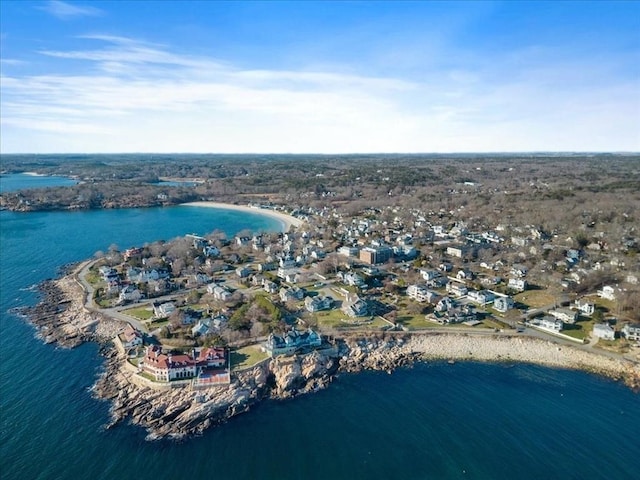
x,y
130,337
167,367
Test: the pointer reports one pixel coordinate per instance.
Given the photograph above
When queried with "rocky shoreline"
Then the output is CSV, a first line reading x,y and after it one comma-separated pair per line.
x,y
62,318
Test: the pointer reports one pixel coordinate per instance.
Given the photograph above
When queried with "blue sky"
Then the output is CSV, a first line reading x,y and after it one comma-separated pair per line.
x,y
319,77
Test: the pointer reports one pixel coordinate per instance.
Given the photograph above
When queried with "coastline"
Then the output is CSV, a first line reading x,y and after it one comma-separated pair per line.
x,y
62,317
286,220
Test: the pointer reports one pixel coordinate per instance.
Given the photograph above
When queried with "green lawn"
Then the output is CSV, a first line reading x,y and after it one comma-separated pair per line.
x,y
247,356
93,277
338,319
578,330
141,313
415,322
536,298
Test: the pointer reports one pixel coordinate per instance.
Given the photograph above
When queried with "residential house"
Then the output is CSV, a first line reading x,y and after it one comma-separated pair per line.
x,y
219,293
291,342
604,331
138,275
165,309
289,275
465,274
519,271
429,275
551,323
481,297
457,289
607,292
132,253
631,331
503,304
421,293
167,367
565,315
445,304
356,307
445,267
316,304
517,284
585,307
129,294
243,272
269,286
351,278
202,327
130,337
211,357
291,294
463,313
211,251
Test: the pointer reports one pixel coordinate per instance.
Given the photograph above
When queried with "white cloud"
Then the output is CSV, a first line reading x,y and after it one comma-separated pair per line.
x,y
142,97
68,11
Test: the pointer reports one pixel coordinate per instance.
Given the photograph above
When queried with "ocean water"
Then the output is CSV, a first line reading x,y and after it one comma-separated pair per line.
x,y
432,421
22,181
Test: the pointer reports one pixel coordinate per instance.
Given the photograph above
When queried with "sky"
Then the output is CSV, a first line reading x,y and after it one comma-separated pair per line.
x,y
319,76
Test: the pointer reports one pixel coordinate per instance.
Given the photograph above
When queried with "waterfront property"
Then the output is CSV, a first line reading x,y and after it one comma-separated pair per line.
x,y
631,331
291,342
130,337
207,365
604,331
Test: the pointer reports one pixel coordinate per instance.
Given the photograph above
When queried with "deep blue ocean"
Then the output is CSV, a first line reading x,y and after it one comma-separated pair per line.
x,y
432,421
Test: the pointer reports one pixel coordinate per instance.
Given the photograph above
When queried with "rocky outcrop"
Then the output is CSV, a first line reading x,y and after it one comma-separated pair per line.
x,y
60,316
184,411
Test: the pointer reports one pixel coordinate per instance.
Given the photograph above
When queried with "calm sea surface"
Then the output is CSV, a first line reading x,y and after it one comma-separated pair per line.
x,y
434,421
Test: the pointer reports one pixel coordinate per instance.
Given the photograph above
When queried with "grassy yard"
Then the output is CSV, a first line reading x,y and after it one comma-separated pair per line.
x,y
415,322
579,330
339,320
536,298
93,277
246,356
141,313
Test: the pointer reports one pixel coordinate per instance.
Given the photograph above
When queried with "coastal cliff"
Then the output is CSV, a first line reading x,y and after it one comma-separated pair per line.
x,y
173,411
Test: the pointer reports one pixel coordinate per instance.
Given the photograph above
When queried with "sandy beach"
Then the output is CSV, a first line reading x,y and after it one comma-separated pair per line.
x,y
286,220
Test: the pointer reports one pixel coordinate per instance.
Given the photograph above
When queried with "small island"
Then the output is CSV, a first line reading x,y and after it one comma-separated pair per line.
x,y
377,267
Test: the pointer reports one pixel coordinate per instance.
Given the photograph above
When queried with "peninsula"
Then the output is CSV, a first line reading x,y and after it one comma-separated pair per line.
x,y
377,267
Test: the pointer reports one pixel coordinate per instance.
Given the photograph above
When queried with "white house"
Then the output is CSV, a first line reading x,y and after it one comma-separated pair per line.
x,y
421,293
551,323
604,331
631,331
518,284
565,315
219,293
503,304
429,274
481,297
457,289
586,308
163,309
607,292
